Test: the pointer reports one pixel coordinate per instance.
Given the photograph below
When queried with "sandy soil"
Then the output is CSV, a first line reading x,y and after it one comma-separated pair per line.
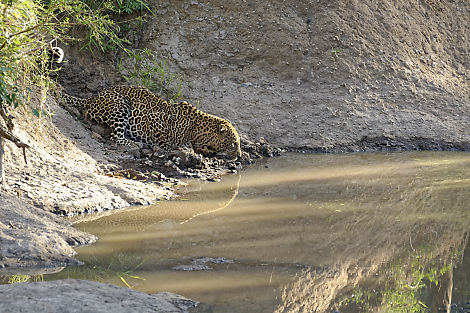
x,y
269,68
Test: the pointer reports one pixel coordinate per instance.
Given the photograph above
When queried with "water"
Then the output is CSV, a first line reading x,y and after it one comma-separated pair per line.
x,y
300,233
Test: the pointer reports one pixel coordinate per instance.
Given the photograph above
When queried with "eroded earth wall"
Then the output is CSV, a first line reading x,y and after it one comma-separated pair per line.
x,y
324,74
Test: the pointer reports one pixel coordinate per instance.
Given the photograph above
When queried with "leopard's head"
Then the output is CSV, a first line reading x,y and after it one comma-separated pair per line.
x,y
220,139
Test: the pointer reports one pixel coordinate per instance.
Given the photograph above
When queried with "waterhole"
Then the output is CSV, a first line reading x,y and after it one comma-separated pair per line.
x,y
299,233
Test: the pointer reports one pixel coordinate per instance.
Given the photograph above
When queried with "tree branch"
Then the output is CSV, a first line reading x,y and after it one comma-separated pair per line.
x,y
7,135
21,32
6,117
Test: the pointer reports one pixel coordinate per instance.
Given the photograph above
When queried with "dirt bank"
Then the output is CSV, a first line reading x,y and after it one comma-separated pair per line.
x,y
320,75
324,74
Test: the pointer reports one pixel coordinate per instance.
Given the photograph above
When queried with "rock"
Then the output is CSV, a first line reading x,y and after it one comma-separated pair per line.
x,y
200,264
30,236
96,135
70,296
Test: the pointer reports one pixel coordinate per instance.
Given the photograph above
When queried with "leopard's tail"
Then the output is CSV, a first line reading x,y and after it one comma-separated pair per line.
x,y
72,101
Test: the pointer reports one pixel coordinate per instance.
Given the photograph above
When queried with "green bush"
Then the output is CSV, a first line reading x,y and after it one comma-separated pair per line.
x,y
28,26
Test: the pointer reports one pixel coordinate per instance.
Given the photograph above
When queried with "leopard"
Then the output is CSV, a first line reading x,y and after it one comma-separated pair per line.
x,y
137,115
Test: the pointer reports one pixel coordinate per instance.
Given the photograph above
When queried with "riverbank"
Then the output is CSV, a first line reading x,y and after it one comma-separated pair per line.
x,y
32,238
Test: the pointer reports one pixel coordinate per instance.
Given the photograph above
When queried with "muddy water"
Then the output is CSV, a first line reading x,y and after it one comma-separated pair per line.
x,y
299,233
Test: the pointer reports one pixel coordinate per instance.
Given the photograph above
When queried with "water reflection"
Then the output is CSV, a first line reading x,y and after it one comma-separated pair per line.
x,y
400,252
305,234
